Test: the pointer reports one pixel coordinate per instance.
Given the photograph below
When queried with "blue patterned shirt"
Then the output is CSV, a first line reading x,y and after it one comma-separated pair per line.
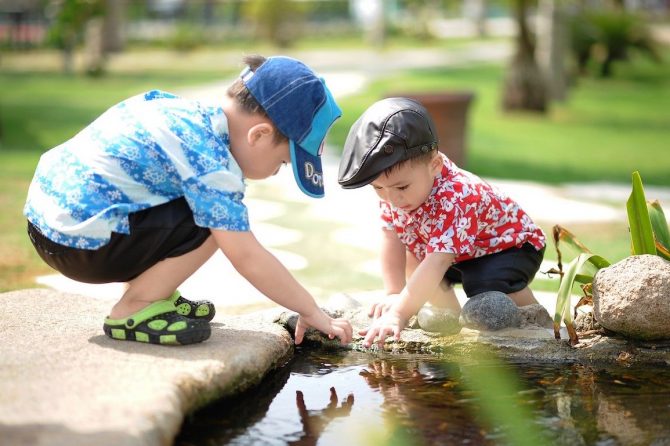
x,y
143,152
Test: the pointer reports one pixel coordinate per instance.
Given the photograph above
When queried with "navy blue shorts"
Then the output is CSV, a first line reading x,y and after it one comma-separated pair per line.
x,y
507,271
156,234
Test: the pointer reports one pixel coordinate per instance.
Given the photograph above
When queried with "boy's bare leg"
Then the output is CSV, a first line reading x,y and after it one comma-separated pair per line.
x,y
523,297
444,296
161,280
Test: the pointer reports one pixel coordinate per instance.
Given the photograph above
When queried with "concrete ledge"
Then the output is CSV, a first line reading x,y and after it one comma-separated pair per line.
x,y
62,381
529,343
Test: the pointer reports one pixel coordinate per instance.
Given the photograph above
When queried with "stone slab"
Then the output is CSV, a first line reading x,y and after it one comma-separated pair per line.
x,y
62,381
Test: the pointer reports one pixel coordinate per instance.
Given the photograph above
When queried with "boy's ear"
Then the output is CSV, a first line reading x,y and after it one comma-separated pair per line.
x,y
259,131
436,164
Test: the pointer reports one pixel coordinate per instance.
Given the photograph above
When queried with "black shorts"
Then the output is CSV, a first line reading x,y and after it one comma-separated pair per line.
x,y
156,233
507,271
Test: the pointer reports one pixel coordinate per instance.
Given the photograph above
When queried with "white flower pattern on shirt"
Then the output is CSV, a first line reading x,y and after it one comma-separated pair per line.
x,y
143,152
463,215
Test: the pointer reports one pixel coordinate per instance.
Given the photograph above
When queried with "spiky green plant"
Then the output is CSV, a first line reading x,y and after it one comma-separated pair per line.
x,y
649,235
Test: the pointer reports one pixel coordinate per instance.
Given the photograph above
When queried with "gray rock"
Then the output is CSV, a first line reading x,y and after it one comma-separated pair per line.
x,y
490,311
586,322
438,320
289,320
535,315
632,297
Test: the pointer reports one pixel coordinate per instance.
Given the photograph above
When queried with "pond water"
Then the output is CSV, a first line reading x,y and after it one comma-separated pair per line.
x,y
363,398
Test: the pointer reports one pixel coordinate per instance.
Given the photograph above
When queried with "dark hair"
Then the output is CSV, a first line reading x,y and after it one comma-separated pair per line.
x,y
421,158
239,92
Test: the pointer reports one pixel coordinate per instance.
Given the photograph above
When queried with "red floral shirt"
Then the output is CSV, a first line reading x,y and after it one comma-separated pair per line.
x,y
463,215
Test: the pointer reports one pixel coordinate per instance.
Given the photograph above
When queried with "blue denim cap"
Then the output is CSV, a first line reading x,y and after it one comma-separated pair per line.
x,y
302,108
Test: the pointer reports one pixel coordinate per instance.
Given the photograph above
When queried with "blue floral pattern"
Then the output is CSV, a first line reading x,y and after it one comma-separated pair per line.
x,y
143,152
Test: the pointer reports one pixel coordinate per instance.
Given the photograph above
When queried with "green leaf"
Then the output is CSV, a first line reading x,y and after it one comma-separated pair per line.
x,y
563,237
662,251
641,234
576,271
660,227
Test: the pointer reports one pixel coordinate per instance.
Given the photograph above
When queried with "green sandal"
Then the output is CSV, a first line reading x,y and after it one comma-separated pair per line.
x,y
198,309
159,323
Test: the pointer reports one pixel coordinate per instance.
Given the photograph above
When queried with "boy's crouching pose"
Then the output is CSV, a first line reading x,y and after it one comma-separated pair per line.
x,y
442,224
151,189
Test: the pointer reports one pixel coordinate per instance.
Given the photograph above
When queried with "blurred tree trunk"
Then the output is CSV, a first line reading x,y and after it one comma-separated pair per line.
x,y
69,44
113,38
94,54
475,11
524,85
69,22
552,47
103,34
377,32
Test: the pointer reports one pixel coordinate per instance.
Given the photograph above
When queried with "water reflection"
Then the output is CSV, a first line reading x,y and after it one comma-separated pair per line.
x,y
358,398
423,397
586,405
315,421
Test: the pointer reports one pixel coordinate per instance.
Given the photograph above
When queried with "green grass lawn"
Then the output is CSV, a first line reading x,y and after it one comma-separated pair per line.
x,y
605,130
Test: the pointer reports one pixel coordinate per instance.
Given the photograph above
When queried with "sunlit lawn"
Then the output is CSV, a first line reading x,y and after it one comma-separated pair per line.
x,y
605,130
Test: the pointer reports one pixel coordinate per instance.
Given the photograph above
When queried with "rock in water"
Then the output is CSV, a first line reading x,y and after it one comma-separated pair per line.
x,y
632,297
490,311
438,320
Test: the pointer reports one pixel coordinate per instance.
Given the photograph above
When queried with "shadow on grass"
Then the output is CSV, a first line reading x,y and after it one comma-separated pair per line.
x,y
551,172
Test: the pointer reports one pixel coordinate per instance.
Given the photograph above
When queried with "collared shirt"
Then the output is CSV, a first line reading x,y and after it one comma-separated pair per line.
x,y
143,152
463,215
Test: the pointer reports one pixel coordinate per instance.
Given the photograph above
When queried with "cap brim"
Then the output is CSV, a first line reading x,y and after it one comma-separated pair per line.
x,y
307,171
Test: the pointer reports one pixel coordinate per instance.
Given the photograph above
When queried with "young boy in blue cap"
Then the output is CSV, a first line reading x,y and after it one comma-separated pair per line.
x,y
443,225
151,189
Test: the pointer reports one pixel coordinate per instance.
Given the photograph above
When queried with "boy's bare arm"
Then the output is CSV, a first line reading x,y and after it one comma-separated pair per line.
x,y
270,277
392,262
419,288
392,257
424,282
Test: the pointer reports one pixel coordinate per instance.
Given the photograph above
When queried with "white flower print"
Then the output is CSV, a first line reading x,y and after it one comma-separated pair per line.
x,y
487,221
219,212
154,176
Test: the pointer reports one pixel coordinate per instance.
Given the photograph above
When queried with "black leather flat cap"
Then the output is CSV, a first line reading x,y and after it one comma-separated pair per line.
x,y
388,132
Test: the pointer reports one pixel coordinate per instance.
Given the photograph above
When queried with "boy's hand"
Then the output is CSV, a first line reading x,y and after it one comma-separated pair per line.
x,y
390,323
340,328
378,308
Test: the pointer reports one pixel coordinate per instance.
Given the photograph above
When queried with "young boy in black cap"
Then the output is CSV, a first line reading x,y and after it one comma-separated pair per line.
x,y
151,189
443,225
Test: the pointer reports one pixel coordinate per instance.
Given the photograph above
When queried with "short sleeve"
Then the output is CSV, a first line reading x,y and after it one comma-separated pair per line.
x,y
386,215
216,208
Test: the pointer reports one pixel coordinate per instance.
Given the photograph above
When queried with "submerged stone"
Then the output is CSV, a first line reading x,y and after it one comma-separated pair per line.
x,y
438,320
490,311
